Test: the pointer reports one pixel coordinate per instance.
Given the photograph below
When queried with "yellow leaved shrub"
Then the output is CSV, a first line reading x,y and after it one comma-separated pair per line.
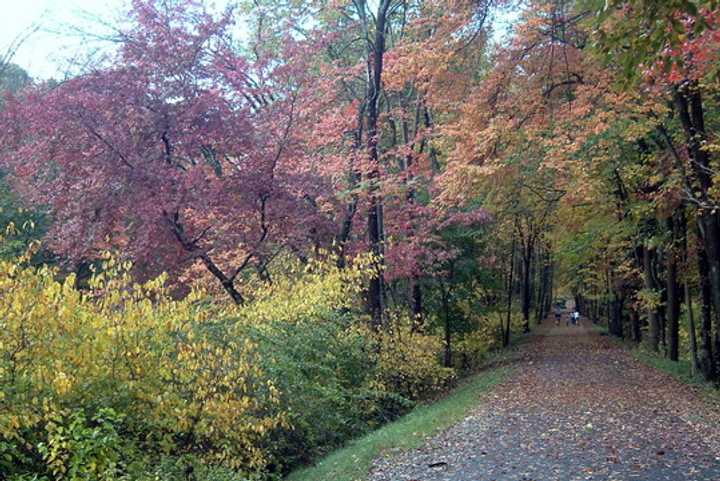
x,y
180,380
120,380
409,363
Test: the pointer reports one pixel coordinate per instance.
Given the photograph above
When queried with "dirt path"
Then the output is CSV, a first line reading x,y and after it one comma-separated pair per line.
x,y
579,408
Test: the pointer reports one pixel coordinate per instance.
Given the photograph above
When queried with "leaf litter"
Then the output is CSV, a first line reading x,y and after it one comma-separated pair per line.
x,y
579,408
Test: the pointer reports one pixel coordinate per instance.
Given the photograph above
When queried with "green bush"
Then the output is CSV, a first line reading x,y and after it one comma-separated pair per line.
x,y
326,370
123,382
409,363
321,369
78,448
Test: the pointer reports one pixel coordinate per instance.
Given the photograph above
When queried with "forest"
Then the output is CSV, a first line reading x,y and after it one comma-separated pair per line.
x,y
238,237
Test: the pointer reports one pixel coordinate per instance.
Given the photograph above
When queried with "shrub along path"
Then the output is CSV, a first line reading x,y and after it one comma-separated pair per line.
x,y
579,408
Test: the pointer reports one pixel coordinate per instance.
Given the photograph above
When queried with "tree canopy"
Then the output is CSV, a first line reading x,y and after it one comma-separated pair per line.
x,y
429,186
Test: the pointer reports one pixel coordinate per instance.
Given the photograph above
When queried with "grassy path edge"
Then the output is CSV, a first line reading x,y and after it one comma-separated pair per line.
x,y
680,370
353,462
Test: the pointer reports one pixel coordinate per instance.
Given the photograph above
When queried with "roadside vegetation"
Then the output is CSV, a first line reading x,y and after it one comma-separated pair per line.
x,y
236,237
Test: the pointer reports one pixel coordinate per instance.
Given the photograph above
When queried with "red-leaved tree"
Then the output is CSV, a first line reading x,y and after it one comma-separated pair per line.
x,y
175,150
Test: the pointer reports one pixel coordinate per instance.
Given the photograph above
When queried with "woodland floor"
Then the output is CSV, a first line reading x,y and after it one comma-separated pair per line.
x,y
579,408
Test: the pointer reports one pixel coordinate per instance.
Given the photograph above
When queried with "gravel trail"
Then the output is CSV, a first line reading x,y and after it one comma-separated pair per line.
x,y
578,407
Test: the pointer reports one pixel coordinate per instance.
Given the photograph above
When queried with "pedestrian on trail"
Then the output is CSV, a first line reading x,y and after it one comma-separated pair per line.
x,y
558,314
575,318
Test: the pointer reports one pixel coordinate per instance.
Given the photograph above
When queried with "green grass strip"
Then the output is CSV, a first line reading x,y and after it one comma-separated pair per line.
x,y
352,463
680,370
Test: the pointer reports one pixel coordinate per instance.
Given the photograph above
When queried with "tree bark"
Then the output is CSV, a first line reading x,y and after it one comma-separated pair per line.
x,y
376,54
417,305
654,335
448,331
190,245
506,329
551,286
541,281
635,326
526,287
695,362
616,326
706,358
689,105
673,291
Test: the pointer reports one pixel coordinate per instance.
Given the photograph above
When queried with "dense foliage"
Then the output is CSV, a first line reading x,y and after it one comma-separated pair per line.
x,y
322,212
108,382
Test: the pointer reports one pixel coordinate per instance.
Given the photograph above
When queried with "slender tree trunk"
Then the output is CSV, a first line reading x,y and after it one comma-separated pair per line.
x,y
551,286
635,326
351,208
417,305
596,306
658,268
540,283
417,293
506,330
376,290
689,105
662,310
691,327
682,241
376,54
526,288
533,280
712,248
673,292
545,301
617,309
654,337
518,287
448,332
706,358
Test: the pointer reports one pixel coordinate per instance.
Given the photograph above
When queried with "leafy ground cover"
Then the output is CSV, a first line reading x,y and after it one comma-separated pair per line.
x,y
120,381
353,461
581,407
680,369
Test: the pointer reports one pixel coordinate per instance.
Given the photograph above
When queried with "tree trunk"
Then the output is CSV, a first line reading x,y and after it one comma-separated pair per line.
x,y
417,305
673,292
596,306
617,308
682,239
654,335
706,358
689,105
551,287
448,333
376,54
506,329
540,294
658,268
526,288
695,362
635,326
712,249
376,288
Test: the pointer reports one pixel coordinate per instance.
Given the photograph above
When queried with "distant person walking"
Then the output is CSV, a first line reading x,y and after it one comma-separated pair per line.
x,y
575,318
558,315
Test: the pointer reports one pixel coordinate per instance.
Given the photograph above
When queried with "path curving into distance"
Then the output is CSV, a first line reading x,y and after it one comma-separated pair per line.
x,y
579,407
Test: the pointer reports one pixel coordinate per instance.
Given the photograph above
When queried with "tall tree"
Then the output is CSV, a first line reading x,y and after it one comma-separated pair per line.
x,y
174,152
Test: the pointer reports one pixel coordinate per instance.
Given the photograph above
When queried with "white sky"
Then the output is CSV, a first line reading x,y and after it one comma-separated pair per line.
x,y
43,53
